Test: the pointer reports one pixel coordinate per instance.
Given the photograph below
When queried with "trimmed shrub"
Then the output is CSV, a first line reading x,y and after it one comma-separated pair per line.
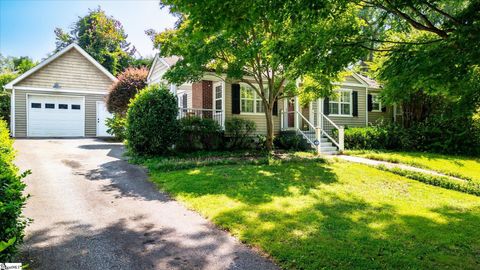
x,y
117,126
152,124
434,180
366,138
12,201
5,106
129,83
290,140
198,134
433,135
239,132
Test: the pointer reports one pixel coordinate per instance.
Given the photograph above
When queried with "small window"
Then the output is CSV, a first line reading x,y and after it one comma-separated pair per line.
x,y
75,107
376,103
63,106
49,106
37,105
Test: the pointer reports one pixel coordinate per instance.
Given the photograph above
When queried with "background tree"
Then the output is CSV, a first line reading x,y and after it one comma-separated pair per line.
x,y
266,45
427,48
129,83
10,68
102,36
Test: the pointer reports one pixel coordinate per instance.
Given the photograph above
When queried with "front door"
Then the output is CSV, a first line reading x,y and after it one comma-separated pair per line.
x,y
218,103
102,115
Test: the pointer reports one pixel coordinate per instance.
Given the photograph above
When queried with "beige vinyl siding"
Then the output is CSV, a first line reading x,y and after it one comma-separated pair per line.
x,y
351,79
72,71
186,89
157,71
259,119
21,110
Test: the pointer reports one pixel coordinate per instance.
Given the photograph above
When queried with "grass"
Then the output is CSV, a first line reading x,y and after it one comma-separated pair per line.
x,y
312,215
458,166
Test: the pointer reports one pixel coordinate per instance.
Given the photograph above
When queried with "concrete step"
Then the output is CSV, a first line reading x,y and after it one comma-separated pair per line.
x,y
330,153
328,149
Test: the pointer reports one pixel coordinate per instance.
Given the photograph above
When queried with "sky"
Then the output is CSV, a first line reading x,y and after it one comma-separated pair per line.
x,y
26,26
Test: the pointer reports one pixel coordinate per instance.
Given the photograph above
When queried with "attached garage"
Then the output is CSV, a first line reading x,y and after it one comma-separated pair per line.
x,y
61,97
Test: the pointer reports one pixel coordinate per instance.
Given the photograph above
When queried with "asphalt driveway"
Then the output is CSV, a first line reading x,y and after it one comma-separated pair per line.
x,y
93,210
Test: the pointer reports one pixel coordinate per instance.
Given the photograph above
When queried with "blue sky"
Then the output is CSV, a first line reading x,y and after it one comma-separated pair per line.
x,y
26,26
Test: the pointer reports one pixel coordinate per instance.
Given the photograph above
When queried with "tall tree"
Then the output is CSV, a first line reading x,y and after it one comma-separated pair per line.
x,y
264,44
102,36
437,40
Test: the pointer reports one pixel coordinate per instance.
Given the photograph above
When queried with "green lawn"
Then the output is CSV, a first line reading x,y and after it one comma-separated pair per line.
x,y
312,215
463,167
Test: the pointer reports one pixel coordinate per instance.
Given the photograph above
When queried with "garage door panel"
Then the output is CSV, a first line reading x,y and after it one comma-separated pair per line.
x,y
54,121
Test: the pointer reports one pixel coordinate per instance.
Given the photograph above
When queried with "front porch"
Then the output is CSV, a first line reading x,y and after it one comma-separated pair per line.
x,y
214,114
311,123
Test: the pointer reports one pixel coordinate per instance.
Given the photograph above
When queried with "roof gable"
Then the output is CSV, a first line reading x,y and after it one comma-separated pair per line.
x,y
72,49
159,67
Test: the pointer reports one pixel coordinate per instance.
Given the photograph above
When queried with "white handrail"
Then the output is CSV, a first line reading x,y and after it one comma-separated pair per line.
x,y
329,120
306,120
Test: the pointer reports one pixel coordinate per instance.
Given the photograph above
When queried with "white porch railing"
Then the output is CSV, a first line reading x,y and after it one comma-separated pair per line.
x,y
335,133
289,120
216,115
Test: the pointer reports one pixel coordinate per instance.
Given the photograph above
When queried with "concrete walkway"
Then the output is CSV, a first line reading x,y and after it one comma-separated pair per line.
x,y
373,162
93,210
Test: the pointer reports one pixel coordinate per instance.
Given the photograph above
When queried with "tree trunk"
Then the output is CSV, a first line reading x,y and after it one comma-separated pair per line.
x,y
270,126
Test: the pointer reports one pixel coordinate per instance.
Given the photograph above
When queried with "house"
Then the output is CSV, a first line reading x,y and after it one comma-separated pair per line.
x,y
321,122
63,96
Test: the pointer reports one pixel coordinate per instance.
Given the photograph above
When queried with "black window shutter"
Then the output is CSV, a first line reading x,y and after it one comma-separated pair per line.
x,y
275,108
384,109
370,103
355,103
235,98
326,106
184,101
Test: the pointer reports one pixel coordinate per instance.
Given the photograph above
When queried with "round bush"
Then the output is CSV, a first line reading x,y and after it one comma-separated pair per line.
x,y
129,83
152,123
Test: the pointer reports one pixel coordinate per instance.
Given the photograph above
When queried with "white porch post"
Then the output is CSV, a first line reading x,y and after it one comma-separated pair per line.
x,y
318,136
281,120
341,138
223,103
297,110
319,113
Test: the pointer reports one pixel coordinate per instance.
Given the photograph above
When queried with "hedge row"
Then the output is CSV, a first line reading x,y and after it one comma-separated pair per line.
x,y
12,200
439,181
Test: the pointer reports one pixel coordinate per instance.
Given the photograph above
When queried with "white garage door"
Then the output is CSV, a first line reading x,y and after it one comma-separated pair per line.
x,y
55,116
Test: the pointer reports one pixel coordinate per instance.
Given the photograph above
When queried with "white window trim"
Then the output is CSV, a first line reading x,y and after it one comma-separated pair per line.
x,y
255,99
215,99
379,103
339,103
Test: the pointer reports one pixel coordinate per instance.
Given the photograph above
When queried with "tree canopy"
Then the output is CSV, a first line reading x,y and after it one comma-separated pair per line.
x,y
264,44
102,36
432,46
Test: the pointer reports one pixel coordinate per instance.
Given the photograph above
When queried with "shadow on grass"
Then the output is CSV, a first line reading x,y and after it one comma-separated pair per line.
x,y
349,233
296,213
247,183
